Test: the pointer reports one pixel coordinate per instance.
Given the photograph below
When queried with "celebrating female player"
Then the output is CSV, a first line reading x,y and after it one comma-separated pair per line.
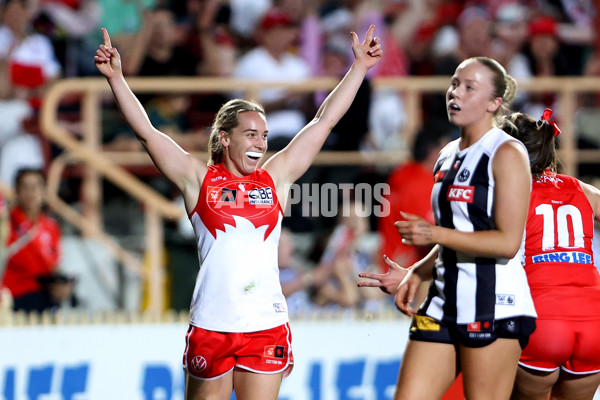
x,y
239,337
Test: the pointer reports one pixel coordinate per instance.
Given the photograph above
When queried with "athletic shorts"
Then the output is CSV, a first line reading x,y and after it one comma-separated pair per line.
x,y
572,345
476,334
210,354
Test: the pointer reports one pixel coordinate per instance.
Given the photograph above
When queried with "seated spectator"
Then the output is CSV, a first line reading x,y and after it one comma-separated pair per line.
x,y
296,280
57,292
34,240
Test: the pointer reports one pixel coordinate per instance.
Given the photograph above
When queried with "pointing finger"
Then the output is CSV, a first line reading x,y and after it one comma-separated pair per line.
x,y
106,38
369,35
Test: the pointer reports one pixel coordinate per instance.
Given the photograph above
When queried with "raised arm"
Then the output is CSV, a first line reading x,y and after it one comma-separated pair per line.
x,y
291,162
510,167
593,195
180,167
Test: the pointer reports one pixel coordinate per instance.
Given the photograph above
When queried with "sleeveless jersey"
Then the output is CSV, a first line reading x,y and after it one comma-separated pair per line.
x,y
557,250
237,222
467,288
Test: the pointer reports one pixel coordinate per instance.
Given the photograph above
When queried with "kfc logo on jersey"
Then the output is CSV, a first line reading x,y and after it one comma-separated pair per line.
x,y
199,363
460,193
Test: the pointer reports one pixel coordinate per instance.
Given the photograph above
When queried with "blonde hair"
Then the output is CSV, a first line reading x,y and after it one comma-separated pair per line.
x,y
225,120
505,86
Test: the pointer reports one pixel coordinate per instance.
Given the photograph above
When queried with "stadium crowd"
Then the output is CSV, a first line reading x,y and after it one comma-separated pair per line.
x,y
45,40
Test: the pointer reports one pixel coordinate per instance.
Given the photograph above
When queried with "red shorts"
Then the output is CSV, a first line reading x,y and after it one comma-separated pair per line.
x,y
572,345
210,354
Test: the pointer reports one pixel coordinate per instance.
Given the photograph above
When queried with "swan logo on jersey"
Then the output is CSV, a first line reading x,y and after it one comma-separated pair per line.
x,y
199,363
464,175
460,193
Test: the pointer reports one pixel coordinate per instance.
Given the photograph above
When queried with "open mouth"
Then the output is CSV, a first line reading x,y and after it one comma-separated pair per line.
x,y
254,155
454,107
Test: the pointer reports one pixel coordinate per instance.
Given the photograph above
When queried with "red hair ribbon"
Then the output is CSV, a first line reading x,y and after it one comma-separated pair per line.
x,y
546,117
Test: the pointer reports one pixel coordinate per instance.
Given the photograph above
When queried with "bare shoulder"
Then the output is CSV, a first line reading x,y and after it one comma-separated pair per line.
x,y
511,159
593,195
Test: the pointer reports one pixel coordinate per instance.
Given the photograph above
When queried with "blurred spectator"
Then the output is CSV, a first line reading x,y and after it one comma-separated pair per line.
x,y
4,226
347,258
297,281
123,19
272,59
415,26
511,31
410,191
68,23
246,15
156,48
27,60
57,292
34,241
27,66
546,59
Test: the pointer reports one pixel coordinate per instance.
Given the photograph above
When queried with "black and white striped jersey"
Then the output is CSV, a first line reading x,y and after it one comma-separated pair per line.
x,y
467,288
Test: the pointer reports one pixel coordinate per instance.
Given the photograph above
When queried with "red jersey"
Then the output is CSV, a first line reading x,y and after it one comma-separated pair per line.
x,y
33,258
557,250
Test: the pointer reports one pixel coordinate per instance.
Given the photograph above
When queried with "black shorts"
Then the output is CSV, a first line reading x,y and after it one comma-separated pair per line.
x,y
477,334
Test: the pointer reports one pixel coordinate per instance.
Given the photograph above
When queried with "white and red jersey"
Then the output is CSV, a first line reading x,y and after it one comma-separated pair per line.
x,y
237,222
557,250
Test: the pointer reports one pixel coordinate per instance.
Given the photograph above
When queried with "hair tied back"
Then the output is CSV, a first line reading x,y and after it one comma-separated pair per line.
x,y
546,117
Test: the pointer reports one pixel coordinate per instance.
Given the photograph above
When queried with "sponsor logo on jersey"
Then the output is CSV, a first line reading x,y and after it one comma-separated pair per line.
x,y
464,175
424,323
460,193
199,363
480,326
218,178
505,299
576,257
279,307
274,351
261,196
221,195
439,176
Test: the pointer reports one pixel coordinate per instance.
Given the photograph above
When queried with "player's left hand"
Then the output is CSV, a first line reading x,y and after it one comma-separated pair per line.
x,y
415,231
369,52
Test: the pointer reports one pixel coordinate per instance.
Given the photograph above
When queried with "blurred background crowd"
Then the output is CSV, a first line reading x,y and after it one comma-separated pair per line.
x,y
42,41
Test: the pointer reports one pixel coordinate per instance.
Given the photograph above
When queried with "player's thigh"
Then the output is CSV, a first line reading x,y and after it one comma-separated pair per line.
x,y
489,371
532,384
427,370
256,386
575,387
210,389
